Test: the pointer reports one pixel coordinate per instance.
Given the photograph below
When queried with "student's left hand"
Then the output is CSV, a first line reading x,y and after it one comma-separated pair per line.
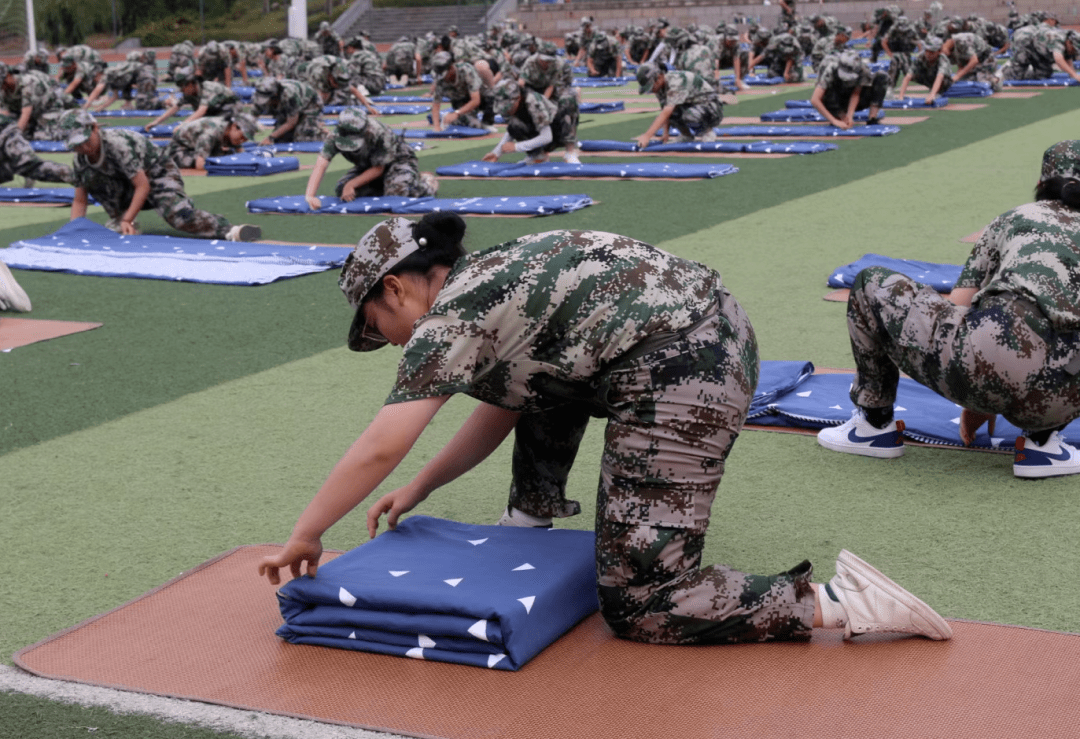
x,y
970,423
348,193
393,504
127,228
643,141
509,147
297,551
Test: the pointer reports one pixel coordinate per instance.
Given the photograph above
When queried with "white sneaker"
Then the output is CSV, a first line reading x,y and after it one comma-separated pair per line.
x,y
244,233
571,158
491,129
537,159
12,296
430,181
520,519
1055,458
857,436
875,604
709,136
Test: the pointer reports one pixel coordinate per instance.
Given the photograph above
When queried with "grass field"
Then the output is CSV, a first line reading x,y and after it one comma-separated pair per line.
x,y
201,417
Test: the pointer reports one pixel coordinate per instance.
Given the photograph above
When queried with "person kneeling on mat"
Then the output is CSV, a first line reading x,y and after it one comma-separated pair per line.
x,y
126,173
1004,341
687,101
846,85
530,124
548,331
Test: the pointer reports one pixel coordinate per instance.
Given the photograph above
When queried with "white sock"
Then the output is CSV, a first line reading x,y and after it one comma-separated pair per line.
x,y
833,615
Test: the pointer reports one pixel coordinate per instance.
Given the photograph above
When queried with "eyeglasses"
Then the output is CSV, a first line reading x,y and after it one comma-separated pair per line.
x,y
371,334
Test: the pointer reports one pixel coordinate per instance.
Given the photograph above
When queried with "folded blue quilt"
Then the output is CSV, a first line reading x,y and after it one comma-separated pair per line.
x,y
163,130
765,131
754,80
404,99
800,115
1059,79
587,107
561,169
48,146
816,401
602,81
86,248
431,589
969,89
941,277
903,103
50,195
132,113
720,147
525,205
300,147
250,164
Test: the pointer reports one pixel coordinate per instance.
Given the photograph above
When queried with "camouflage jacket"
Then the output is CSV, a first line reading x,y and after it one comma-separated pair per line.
x,y
829,77
402,54
968,45
329,41
1032,251
925,72
534,323
1039,41
698,58
822,48
84,53
202,137
87,73
124,154
464,50
685,88
215,96
903,36
365,65
603,46
213,60
538,110
781,47
297,99
381,146
33,89
466,81
120,77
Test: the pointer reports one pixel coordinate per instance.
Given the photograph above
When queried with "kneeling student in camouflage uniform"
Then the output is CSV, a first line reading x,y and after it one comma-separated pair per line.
x,y
296,107
204,96
532,125
548,331
194,141
470,96
17,157
687,101
383,163
930,68
126,173
1006,340
845,85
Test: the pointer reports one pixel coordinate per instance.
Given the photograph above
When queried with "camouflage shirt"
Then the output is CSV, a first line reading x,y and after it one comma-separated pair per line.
x,y
32,89
215,96
123,155
120,77
903,36
86,74
829,76
202,136
968,45
533,323
925,72
700,59
297,99
1032,251
541,71
685,88
402,54
466,81
538,109
381,147
1039,41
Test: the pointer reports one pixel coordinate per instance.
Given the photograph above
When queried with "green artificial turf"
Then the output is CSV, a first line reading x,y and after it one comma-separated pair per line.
x,y
200,417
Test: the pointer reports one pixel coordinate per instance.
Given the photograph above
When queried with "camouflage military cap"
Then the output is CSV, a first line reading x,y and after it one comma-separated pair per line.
x,y
5,70
265,89
453,29
677,36
134,56
1061,160
378,252
441,62
505,95
76,126
246,123
586,21
272,43
339,70
184,75
850,65
324,26
845,30
646,77
662,22
933,43
548,48
67,60
350,129
762,35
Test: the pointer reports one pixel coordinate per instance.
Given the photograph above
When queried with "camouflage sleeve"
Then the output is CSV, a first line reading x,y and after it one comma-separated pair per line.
x,y
985,259
827,73
677,90
329,151
472,78
443,357
383,149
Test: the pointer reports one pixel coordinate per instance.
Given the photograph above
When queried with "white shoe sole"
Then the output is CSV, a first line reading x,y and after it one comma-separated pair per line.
x,y
1026,472
933,626
12,296
861,450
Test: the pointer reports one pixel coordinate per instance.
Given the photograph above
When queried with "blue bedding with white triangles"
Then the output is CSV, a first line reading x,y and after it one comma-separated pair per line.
x,y
941,277
562,169
712,147
506,205
432,589
790,395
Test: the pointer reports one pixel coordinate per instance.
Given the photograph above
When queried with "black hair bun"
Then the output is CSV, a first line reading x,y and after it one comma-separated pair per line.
x,y
440,229
662,67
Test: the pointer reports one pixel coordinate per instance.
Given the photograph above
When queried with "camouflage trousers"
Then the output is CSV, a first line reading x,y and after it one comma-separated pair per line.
x,y
17,157
478,117
166,196
899,66
1024,66
564,127
45,127
307,128
1002,356
927,80
674,412
374,84
872,95
399,179
986,71
146,92
694,120
605,66
776,69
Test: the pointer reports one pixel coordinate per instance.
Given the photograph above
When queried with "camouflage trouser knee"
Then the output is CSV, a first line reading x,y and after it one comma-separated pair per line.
x,y
478,117
987,72
564,127
899,66
168,198
399,179
1027,67
308,128
1001,357
17,157
45,127
146,94
183,158
605,66
697,119
674,412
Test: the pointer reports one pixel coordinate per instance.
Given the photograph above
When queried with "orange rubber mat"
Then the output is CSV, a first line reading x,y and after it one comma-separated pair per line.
x,y
22,331
208,636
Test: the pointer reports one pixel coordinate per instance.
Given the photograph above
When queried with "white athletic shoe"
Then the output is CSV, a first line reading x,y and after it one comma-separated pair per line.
x,y
431,181
857,436
709,136
520,519
571,158
1055,458
12,296
244,233
875,604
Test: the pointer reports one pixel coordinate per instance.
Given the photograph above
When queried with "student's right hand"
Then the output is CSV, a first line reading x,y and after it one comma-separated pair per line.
x,y
313,202
297,551
490,157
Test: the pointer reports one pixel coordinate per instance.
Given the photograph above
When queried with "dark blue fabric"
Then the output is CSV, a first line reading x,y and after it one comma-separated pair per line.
x,y
722,147
766,131
777,378
448,132
1059,79
528,205
799,115
55,195
48,146
561,169
969,89
822,400
587,107
904,104
941,277
486,596
249,164
83,247
602,81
